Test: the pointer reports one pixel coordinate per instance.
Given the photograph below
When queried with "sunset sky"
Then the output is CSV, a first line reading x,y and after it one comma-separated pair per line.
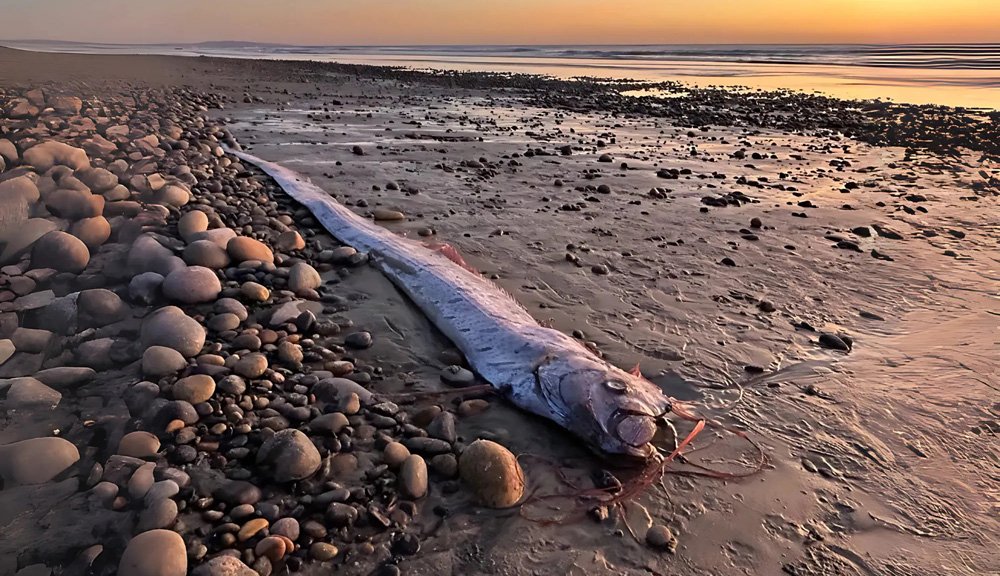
x,y
397,22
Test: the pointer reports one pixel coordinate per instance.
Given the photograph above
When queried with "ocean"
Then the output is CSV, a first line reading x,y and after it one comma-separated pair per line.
x,y
965,75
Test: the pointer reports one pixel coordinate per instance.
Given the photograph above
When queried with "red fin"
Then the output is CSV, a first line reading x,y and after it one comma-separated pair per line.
x,y
449,252
635,371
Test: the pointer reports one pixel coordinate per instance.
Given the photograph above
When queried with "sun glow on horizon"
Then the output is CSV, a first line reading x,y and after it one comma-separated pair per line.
x,y
401,22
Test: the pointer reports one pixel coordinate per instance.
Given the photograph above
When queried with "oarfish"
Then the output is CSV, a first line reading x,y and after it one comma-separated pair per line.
x,y
539,369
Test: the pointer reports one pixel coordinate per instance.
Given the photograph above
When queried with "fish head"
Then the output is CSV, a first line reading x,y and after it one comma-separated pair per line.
x,y
616,411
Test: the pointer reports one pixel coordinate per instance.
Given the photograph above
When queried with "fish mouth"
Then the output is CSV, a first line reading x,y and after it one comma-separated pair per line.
x,y
634,429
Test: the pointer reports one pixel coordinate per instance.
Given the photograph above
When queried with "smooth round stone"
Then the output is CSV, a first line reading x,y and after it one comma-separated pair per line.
x,y
290,455
93,232
243,248
255,292
290,241
472,407
206,253
60,251
47,154
251,366
224,322
139,444
290,353
141,481
194,389
29,393
160,361
22,186
302,278
492,473
237,492
99,180
231,306
74,204
160,513
172,195
162,489
287,527
154,553
394,454
358,340
36,461
101,306
387,215
445,465
272,547
252,528
224,566
323,551
331,423
413,478
192,223
171,327
192,285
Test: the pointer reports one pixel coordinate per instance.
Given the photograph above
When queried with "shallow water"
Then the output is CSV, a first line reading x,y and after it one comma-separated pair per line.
x,y
953,75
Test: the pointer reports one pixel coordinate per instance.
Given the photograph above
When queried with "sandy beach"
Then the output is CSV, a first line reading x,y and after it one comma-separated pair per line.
x,y
821,275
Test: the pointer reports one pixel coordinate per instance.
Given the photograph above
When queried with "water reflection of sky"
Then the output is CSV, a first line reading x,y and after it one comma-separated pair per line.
x,y
918,84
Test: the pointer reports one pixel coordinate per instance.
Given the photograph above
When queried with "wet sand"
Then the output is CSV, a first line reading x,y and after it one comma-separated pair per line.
x,y
881,460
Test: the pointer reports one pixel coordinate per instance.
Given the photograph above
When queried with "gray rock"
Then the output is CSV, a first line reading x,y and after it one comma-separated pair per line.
x,y
29,393
192,285
154,553
145,288
171,327
160,361
161,513
60,251
290,455
36,461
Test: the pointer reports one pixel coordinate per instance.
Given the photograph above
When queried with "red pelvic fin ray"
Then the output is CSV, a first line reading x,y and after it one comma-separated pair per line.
x,y
451,253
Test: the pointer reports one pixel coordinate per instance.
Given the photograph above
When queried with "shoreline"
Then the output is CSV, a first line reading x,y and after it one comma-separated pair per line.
x,y
630,253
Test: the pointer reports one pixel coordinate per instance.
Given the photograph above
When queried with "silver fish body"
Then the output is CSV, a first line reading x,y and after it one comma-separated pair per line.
x,y
539,369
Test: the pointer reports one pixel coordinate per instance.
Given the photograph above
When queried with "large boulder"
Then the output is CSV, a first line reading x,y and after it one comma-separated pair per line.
x,y
171,327
243,248
74,204
60,251
192,285
29,393
37,460
206,253
154,553
18,240
48,154
93,232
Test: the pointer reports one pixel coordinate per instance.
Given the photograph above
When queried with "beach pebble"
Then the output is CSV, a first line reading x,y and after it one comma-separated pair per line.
x,y
659,537
171,327
224,565
139,444
93,232
290,455
60,251
413,477
251,366
243,248
323,551
22,187
73,204
236,492
192,285
154,553
254,292
302,278
394,454
252,528
207,254
358,340
192,223
141,481
195,389
330,424
386,215
36,461
492,473
99,180
287,527
160,361
159,513
289,241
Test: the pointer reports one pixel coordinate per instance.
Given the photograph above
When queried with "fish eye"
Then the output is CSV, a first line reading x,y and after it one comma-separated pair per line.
x,y
616,385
